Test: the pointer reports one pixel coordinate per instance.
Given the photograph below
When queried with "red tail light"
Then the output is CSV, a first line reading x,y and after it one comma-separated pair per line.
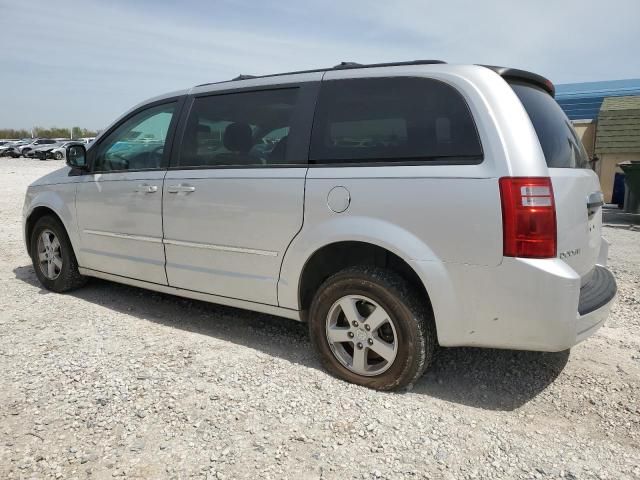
x,y
528,217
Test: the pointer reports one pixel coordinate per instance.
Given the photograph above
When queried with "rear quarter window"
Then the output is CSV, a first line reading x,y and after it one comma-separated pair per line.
x,y
393,120
561,146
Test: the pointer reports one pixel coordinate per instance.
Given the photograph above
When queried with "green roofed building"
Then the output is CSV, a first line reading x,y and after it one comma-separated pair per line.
x,y
617,137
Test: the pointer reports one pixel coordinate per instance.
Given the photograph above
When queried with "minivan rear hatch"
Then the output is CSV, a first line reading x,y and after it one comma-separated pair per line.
x,y
576,187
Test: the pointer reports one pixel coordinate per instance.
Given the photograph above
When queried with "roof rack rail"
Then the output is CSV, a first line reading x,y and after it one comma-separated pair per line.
x,y
340,66
348,65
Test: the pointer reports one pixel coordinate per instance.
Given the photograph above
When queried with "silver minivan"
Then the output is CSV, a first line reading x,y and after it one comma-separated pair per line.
x,y
393,207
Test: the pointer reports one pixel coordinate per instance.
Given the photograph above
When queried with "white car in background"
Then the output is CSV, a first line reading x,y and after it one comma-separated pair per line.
x,y
22,150
8,148
41,151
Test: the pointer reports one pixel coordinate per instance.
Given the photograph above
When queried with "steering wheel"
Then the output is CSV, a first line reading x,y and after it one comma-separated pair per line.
x,y
123,160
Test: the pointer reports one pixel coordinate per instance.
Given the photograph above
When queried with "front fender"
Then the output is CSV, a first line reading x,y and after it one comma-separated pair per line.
x,y
61,200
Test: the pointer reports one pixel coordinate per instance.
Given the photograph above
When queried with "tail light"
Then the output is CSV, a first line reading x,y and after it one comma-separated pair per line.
x,y
528,217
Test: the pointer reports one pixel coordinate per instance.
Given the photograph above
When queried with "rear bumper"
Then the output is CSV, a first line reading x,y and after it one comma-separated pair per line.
x,y
600,290
595,301
522,304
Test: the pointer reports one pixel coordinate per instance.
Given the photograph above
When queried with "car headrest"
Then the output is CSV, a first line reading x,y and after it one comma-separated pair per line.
x,y
238,137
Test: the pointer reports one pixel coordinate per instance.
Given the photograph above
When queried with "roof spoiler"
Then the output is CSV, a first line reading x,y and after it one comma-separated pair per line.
x,y
524,76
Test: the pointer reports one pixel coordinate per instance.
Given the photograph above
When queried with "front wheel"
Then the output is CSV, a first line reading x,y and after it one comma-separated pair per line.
x,y
58,156
371,328
53,258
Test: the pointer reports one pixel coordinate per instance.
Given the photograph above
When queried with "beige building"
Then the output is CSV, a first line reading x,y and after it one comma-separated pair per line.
x,y
586,130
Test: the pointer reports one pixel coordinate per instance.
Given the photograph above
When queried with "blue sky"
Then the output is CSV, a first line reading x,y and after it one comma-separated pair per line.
x,y
67,63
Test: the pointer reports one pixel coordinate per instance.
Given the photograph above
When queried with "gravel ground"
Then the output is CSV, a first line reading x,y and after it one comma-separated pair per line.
x,y
112,381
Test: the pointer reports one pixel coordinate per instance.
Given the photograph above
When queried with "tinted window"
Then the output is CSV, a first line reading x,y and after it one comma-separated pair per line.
x,y
239,129
393,120
561,146
137,144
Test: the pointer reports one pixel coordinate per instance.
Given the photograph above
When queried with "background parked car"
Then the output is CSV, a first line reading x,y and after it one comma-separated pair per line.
x,y
42,152
22,150
8,149
37,150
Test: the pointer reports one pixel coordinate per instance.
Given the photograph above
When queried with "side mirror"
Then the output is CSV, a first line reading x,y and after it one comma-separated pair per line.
x,y
77,157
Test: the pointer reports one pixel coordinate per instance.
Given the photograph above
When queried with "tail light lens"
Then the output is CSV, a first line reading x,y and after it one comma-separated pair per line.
x,y
528,217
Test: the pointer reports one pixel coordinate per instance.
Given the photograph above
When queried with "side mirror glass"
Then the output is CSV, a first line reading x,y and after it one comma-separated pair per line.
x,y
77,156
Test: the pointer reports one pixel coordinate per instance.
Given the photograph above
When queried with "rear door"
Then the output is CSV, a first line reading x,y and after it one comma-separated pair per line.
x,y
234,195
576,187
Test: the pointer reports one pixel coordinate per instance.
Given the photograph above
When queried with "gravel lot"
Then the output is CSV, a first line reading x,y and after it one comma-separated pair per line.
x,y
112,381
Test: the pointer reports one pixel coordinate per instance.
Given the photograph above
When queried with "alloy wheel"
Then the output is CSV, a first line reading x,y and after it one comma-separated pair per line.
x,y
49,254
361,335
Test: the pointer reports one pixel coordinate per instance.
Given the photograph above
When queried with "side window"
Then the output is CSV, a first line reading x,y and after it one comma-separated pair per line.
x,y
401,119
239,129
137,144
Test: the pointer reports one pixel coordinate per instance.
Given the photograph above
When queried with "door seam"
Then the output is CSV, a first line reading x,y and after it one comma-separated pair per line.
x,y
164,245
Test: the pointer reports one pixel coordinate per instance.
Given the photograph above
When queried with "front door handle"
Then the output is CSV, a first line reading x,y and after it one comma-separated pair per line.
x,y
146,188
181,188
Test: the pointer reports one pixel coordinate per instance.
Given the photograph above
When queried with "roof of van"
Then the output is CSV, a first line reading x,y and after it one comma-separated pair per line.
x,y
505,72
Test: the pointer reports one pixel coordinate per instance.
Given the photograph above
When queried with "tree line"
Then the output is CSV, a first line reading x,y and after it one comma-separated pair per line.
x,y
53,132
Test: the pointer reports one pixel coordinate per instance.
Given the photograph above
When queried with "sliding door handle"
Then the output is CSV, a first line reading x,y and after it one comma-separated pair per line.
x,y
181,188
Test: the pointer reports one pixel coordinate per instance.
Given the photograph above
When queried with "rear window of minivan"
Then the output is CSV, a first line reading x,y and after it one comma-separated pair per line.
x,y
404,120
561,146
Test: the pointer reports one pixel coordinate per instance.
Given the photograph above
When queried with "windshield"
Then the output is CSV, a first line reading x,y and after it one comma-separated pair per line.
x,y
561,146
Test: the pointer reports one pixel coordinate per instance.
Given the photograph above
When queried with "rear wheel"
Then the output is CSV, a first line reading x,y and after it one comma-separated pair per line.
x,y
53,258
371,328
58,156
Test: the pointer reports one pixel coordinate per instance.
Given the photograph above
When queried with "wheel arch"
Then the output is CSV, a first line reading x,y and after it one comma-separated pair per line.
x,y
336,256
346,230
401,247
35,215
54,204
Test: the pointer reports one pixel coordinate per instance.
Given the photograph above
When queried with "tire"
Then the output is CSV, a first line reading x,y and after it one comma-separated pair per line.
x,y
409,330
65,277
58,156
